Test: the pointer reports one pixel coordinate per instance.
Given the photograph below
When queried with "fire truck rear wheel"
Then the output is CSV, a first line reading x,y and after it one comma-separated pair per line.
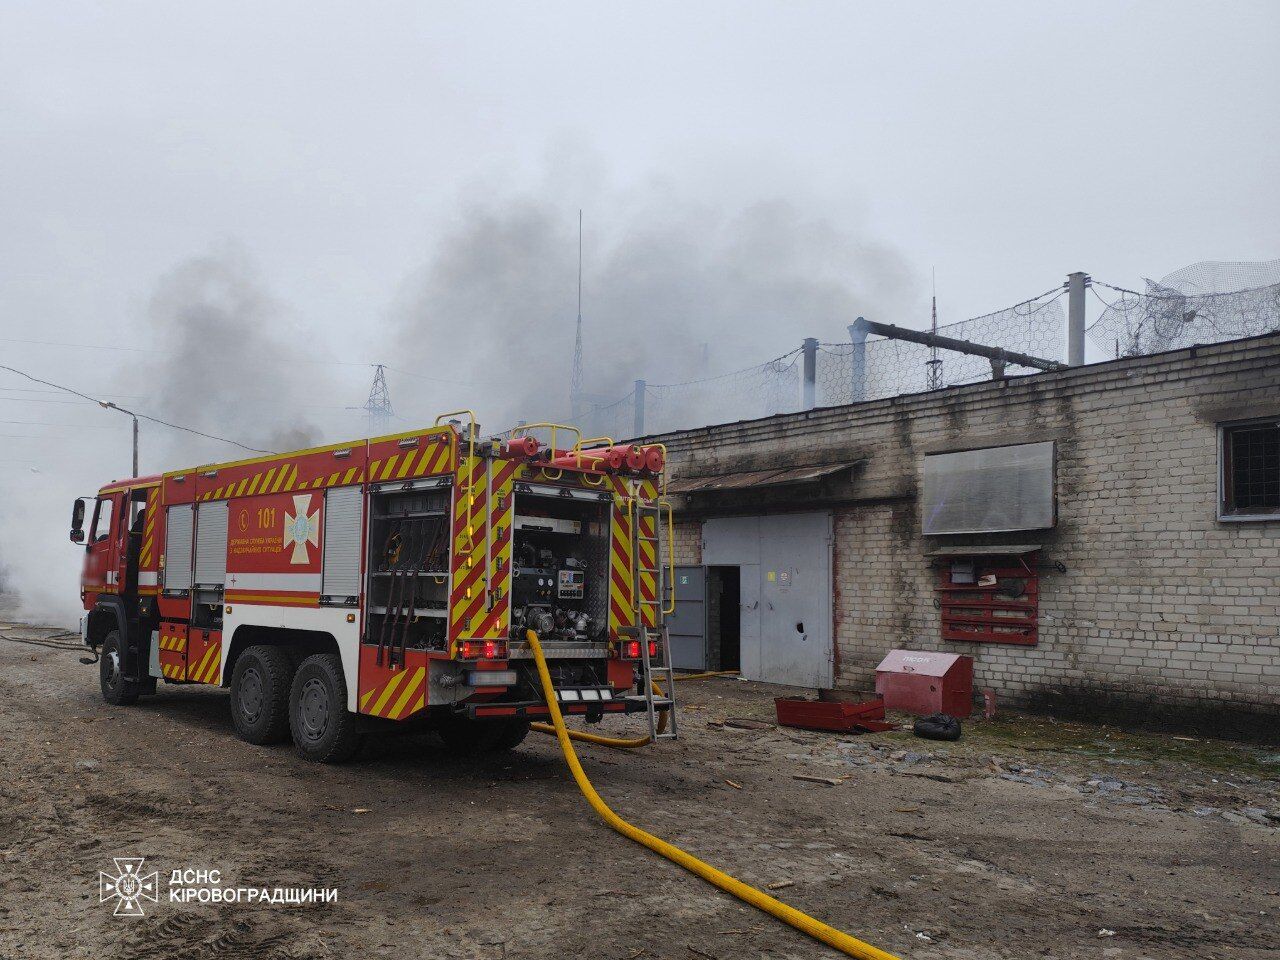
x,y
115,688
260,694
472,737
323,729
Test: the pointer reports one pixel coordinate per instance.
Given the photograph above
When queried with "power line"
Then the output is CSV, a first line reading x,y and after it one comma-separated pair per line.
x,y
106,405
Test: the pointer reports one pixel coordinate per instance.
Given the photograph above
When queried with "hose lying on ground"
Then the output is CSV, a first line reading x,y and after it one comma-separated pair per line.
x,y
851,946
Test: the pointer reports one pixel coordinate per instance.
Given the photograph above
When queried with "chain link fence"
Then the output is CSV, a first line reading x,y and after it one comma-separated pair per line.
x,y
892,367
1202,303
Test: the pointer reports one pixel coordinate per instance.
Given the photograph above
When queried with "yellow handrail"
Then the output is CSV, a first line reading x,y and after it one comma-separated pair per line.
x,y
671,551
524,428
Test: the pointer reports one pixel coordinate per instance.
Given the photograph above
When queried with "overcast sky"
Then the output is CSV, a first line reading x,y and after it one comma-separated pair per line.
x,y
341,166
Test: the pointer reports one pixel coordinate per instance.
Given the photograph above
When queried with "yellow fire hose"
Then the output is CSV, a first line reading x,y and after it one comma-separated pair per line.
x,y
850,946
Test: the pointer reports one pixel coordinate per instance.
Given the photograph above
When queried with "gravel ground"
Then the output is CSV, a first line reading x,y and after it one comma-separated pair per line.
x,y
1028,838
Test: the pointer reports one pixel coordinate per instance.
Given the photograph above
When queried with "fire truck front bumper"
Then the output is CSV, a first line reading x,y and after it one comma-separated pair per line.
x,y
592,702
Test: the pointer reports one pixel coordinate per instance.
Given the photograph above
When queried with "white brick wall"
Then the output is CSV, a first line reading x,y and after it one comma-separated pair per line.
x,y
1160,600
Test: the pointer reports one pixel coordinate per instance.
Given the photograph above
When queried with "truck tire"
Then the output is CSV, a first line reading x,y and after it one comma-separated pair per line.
x,y
116,689
512,735
469,738
323,730
260,694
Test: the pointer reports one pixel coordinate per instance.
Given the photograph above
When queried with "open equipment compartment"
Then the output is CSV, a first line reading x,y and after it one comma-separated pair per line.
x,y
408,580
560,572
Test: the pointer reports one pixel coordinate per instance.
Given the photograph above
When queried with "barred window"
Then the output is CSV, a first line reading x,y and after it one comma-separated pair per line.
x,y
1250,482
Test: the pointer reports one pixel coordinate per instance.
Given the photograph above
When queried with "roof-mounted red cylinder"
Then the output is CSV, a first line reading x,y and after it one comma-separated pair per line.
x,y
521,447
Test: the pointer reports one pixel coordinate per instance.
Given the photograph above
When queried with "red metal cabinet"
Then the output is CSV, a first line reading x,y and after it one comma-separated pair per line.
x,y
924,682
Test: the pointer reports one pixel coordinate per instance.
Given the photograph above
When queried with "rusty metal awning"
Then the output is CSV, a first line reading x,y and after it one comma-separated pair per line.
x,y
986,550
750,479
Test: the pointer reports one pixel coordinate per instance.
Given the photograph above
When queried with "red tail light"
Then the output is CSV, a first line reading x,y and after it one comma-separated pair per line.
x,y
482,650
631,649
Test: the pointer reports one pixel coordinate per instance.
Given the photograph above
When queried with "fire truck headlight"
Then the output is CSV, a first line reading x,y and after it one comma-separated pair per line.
x,y
491,678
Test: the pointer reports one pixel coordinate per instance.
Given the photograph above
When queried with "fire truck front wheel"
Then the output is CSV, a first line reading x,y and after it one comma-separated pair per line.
x,y
323,729
260,694
115,688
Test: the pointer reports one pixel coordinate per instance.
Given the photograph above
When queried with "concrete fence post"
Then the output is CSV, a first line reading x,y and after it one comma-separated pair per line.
x,y
637,408
1076,285
810,348
858,361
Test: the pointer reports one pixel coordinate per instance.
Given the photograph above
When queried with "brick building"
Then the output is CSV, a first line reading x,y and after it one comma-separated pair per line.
x,y
1105,536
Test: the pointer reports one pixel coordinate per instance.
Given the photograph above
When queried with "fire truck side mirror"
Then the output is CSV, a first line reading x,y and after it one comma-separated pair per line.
x,y
77,521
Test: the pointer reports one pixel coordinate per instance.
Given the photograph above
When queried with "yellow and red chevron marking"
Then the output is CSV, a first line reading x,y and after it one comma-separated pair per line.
x,y
470,614
621,600
621,613
173,652
311,471
173,671
206,666
172,642
431,457
397,697
147,555
278,478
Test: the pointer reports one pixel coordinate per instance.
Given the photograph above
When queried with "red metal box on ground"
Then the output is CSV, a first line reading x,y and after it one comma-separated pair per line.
x,y
923,682
832,715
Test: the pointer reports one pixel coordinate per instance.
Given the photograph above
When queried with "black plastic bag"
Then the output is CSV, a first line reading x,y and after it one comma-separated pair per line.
x,y
938,726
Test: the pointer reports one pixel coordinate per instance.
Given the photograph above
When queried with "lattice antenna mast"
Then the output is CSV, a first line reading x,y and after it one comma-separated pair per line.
x,y
378,408
934,379
575,382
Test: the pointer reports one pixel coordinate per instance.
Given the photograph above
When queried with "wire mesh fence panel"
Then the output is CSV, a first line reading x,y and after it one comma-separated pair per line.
x,y
1202,303
614,420
759,391
849,372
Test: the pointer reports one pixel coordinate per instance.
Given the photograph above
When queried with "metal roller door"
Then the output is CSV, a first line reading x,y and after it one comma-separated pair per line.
x,y
211,544
340,580
179,523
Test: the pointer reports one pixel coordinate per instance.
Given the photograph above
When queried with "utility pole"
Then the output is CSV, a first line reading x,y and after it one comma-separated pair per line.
x,y
1077,283
575,382
378,407
108,405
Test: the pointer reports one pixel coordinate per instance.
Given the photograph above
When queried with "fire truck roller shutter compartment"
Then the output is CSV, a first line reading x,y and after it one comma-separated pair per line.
x,y
340,578
211,565
179,527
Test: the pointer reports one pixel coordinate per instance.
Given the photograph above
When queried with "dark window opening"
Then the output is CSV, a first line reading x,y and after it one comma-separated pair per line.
x,y
1251,470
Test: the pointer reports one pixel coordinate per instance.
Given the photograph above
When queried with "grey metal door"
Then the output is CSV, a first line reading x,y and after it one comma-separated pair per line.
x,y
687,627
786,593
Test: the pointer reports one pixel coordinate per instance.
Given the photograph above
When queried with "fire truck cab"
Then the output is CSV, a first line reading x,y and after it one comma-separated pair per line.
x,y
388,582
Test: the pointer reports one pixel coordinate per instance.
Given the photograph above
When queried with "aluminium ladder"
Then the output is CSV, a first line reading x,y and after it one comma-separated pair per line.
x,y
657,667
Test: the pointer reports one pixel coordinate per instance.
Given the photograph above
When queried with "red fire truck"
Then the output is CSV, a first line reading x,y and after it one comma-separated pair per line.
x,y
360,586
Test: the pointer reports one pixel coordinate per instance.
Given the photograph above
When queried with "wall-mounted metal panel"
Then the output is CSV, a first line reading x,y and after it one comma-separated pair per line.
x,y
342,516
993,490
211,544
179,525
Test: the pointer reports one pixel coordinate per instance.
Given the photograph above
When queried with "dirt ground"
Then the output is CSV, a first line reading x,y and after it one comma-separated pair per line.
x,y
1028,838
